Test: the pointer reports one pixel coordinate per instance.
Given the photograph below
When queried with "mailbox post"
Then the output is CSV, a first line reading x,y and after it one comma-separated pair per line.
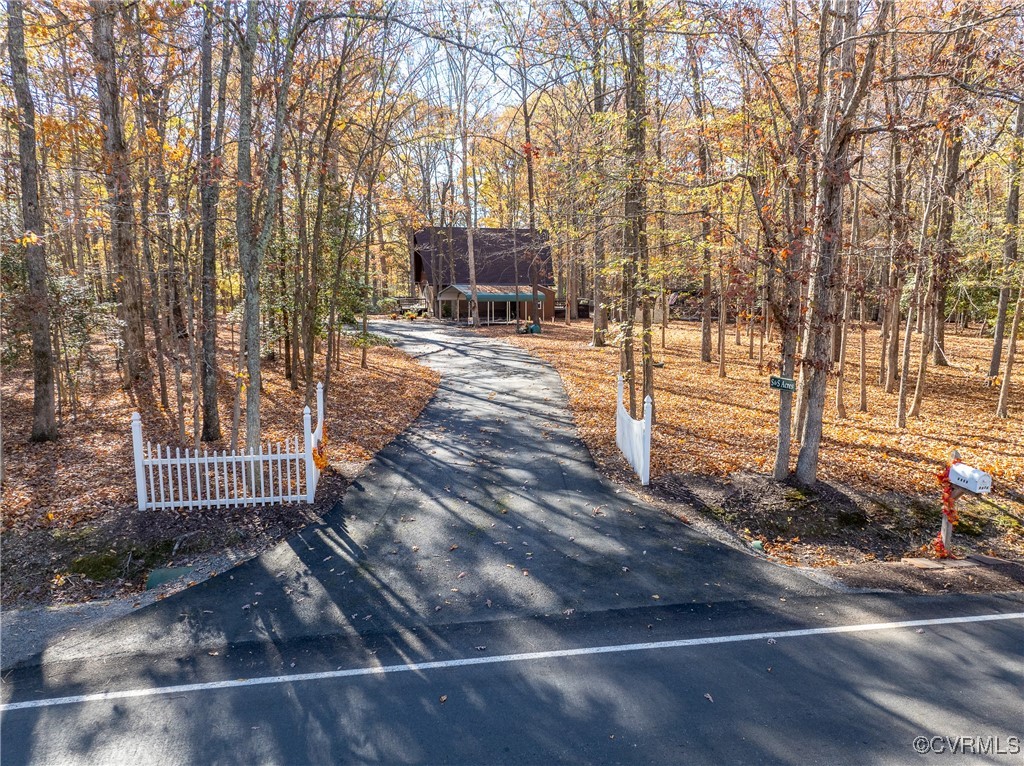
x,y
957,480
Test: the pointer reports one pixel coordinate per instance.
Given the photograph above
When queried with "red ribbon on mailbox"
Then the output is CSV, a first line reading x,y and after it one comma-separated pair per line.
x,y
948,509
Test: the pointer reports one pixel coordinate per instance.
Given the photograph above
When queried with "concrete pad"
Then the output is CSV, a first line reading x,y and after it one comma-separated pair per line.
x,y
922,563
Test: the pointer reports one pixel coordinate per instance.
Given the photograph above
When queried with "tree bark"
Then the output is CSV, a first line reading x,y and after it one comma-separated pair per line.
x,y
832,178
1002,406
44,423
474,305
1012,218
598,69
635,204
901,406
117,178
722,317
209,191
932,315
704,166
251,249
155,293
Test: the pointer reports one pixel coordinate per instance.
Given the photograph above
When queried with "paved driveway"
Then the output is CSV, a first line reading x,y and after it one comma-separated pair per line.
x,y
481,595
489,507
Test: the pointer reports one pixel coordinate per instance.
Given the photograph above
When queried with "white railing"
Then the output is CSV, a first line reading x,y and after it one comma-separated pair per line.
x,y
276,473
633,437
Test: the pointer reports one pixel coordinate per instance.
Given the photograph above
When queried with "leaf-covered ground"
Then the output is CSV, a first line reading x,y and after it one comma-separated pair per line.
x,y
873,474
71,531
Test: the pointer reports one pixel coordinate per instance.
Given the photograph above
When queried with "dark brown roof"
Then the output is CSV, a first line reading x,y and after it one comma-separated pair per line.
x,y
499,255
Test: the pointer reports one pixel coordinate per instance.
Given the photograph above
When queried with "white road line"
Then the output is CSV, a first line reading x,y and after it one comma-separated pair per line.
x,y
503,658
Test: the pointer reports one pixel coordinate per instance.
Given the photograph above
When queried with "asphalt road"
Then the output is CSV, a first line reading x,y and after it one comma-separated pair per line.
x,y
407,627
847,697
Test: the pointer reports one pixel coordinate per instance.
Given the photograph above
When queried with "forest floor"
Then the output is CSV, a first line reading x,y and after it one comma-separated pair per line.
x,y
878,498
71,531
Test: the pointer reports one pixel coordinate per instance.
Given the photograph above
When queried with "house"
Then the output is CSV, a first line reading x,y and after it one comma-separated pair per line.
x,y
509,262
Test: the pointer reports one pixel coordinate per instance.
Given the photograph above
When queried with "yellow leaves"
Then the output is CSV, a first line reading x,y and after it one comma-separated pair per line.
x,y
708,425
28,238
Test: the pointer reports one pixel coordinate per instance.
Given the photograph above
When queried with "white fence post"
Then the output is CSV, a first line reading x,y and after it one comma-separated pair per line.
x,y
620,426
645,470
307,432
140,470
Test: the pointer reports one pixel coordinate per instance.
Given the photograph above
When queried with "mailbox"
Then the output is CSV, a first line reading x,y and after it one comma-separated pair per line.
x,y
972,479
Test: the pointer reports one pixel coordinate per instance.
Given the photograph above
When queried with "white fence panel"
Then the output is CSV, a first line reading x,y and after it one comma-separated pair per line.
x,y
633,437
275,473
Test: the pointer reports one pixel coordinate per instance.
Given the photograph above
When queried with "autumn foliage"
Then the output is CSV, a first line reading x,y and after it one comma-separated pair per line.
x,y
89,472
707,424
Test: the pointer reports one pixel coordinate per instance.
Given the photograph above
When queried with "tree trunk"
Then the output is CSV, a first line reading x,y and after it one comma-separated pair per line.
x,y
843,329
474,306
1002,407
901,406
932,316
251,249
598,67
635,203
366,273
1010,241
44,423
843,333
155,293
722,315
927,340
209,191
119,191
788,324
832,178
704,167
863,359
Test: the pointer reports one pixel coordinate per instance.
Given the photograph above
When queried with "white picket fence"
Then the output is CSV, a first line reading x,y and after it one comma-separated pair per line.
x,y
276,473
633,437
